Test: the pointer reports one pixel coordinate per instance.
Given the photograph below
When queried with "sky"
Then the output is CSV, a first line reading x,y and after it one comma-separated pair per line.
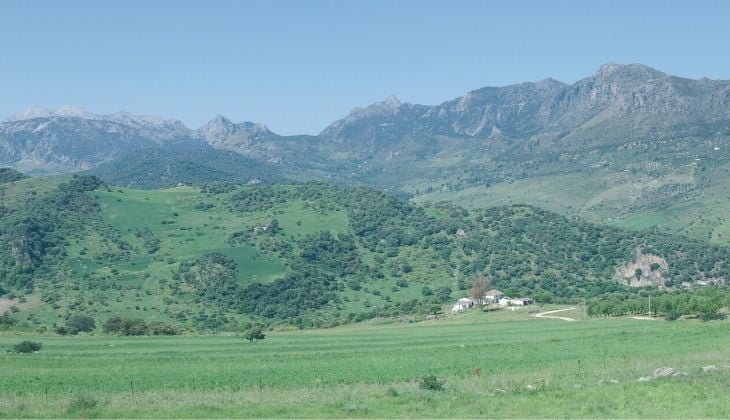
x,y
298,65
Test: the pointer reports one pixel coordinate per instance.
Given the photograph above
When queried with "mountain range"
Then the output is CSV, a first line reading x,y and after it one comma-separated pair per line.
x,y
622,141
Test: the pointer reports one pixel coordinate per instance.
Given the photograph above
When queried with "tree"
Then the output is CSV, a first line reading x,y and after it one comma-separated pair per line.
x,y
479,287
254,333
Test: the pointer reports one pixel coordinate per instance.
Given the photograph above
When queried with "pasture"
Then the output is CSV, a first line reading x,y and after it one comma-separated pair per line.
x,y
529,368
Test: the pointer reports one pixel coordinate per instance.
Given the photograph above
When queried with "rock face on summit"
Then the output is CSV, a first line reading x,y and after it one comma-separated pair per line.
x,y
222,133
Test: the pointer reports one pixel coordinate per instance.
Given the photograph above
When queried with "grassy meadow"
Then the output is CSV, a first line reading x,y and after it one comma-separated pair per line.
x,y
529,368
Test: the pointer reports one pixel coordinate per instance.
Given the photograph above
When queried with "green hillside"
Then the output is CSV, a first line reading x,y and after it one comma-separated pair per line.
x,y
220,256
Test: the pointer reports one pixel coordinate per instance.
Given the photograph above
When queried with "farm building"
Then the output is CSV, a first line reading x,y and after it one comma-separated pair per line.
x,y
463,303
508,301
492,296
522,301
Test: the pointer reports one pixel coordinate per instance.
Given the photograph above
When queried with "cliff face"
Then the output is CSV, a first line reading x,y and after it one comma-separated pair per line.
x,y
645,270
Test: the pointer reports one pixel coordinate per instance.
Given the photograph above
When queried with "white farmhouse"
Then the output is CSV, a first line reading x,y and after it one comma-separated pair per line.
x,y
463,303
492,296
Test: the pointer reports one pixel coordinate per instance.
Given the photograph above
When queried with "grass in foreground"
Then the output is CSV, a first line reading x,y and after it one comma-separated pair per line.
x,y
535,368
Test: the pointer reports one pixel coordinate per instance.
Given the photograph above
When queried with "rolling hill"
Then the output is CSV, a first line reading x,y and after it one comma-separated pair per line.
x,y
309,254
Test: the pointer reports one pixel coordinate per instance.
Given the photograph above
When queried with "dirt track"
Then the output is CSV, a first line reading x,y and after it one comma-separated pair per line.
x,y
547,314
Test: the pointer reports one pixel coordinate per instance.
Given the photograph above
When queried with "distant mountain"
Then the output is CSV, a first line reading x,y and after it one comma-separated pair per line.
x,y
70,139
632,100
246,138
628,139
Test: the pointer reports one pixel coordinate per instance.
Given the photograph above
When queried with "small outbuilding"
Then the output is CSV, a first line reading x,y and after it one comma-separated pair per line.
x,y
463,303
508,301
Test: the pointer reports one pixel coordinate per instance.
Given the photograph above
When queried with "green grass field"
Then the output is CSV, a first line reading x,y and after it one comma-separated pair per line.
x,y
529,368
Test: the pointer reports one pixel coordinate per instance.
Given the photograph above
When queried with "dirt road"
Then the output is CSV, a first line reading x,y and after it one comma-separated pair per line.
x,y
548,314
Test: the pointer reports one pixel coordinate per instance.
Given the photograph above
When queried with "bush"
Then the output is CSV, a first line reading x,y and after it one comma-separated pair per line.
x,y
82,403
255,332
431,383
27,347
162,328
7,320
113,325
712,316
672,315
136,326
80,323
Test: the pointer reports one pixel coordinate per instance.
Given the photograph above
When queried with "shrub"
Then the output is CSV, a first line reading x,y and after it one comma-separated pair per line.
x,y
82,403
672,315
136,326
7,320
712,315
255,332
80,323
113,325
27,347
162,328
431,383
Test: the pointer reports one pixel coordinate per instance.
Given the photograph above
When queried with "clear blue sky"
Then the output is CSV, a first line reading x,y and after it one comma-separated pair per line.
x,y
298,65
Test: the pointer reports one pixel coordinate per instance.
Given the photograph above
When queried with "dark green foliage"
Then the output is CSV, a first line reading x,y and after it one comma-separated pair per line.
x,y
672,315
258,199
6,320
136,326
159,168
707,300
80,323
27,347
211,278
303,290
335,254
162,328
37,232
10,175
712,315
254,333
431,383
149,240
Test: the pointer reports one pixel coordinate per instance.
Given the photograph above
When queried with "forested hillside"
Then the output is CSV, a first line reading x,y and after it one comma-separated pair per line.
x,y
311,254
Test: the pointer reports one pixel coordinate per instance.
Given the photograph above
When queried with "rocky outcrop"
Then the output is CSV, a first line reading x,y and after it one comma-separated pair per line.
x,y
645,270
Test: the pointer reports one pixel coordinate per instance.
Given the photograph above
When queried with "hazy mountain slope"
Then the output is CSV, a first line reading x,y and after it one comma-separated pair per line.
x,y
162,167
68,140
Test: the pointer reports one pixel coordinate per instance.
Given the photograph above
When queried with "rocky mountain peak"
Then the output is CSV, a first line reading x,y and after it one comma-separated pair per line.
x,y
392,101
638,72
220,131
29,114
73,112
